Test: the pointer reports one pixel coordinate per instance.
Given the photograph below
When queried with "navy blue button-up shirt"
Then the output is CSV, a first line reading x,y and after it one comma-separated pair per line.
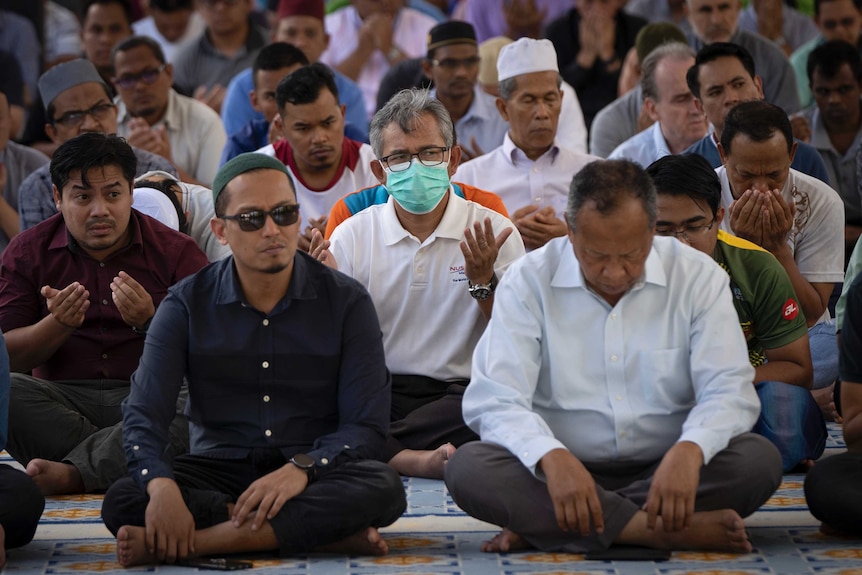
x,y
308,377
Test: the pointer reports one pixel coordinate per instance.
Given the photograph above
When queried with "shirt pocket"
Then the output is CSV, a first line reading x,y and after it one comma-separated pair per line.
x,y
666,380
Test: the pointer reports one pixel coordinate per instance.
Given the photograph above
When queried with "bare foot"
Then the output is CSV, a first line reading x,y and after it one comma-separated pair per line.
x,y
504,542
2,547
720,530
430,464
367,542
826,402
55,478
132,547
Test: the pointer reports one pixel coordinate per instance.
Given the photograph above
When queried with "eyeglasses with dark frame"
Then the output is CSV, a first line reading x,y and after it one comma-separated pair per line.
x,y
75,118
688,232
148,77
254,220
430,156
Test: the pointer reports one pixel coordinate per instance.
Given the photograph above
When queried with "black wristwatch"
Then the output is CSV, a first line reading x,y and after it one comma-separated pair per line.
x,y
142,331
482,292
306,463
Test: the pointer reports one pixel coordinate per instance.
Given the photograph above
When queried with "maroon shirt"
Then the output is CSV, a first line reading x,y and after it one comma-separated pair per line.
x,y
104,347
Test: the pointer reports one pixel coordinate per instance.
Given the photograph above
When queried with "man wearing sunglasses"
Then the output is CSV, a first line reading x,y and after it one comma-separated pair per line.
x,y
77,293
288,395
431,261
154,117
689,208
76,101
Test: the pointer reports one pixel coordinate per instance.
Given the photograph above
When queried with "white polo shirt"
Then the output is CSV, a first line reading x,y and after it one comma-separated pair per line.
x,y
430,322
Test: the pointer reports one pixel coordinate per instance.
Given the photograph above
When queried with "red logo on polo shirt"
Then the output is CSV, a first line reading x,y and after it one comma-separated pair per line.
x,y
790,309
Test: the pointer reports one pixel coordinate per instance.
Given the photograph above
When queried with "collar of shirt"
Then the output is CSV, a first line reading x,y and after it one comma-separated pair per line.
x,y
230,291
820,137
661,147
253,41
514,155
451,225
482,108
62,239
569,275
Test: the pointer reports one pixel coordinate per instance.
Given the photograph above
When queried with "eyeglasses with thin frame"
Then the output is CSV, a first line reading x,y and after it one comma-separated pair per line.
x,y
148,77
430,156
254,220
75,118
690,233
454,63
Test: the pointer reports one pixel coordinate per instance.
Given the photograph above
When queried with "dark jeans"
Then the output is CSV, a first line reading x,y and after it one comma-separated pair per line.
x,y
78,422
353,496
21,506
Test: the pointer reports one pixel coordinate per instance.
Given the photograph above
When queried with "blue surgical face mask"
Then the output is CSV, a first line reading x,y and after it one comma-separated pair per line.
x,y
420,188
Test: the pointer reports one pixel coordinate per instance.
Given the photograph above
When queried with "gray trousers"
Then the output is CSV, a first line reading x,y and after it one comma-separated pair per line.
x,y
491,484
78,422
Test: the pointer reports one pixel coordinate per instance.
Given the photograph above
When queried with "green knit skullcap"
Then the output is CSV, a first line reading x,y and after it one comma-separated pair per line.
x,y
246,163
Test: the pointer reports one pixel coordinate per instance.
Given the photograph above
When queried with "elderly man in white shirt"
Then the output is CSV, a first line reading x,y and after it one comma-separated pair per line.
x,y
431,262
678,122
612,390
154,117
530,171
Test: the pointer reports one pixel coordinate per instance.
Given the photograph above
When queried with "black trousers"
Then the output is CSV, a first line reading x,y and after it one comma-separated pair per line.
x,y
833,489
21,505
343,501
425,414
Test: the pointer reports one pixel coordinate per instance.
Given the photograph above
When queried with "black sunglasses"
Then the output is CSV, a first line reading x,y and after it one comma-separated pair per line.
x,y
255,220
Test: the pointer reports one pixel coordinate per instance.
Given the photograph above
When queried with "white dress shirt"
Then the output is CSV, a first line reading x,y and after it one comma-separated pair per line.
x,y
643,148
558,367
520,181
430,322
195,131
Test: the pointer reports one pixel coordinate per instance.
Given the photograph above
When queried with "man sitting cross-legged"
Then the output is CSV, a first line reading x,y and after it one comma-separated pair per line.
x,y
77,293
612,390
288,398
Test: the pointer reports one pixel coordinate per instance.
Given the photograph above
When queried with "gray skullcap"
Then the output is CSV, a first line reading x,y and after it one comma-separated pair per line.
x,y
246,163
67,75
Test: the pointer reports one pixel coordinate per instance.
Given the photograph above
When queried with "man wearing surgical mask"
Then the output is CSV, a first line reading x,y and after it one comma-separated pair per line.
x,y
431,261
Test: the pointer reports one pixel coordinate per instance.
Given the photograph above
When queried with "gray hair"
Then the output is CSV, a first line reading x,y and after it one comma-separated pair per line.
x,y
406,109
671,50
508,86
607,183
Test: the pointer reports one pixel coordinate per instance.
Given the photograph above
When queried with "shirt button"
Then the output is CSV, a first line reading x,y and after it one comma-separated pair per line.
x,y
144,471
266,398
266,322
526,454
104,302
346,447
613,358
324,461
618,397
104,356
613,316
267,433
136,447
265,364
101,264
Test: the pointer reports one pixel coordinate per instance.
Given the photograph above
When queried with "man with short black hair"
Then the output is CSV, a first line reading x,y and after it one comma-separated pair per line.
x,y
77,293
292,464
105,23
797,218
324,163
271,64
154,117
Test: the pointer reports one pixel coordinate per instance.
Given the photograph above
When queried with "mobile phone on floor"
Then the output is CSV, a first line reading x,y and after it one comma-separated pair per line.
x,y
628,553
216,564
